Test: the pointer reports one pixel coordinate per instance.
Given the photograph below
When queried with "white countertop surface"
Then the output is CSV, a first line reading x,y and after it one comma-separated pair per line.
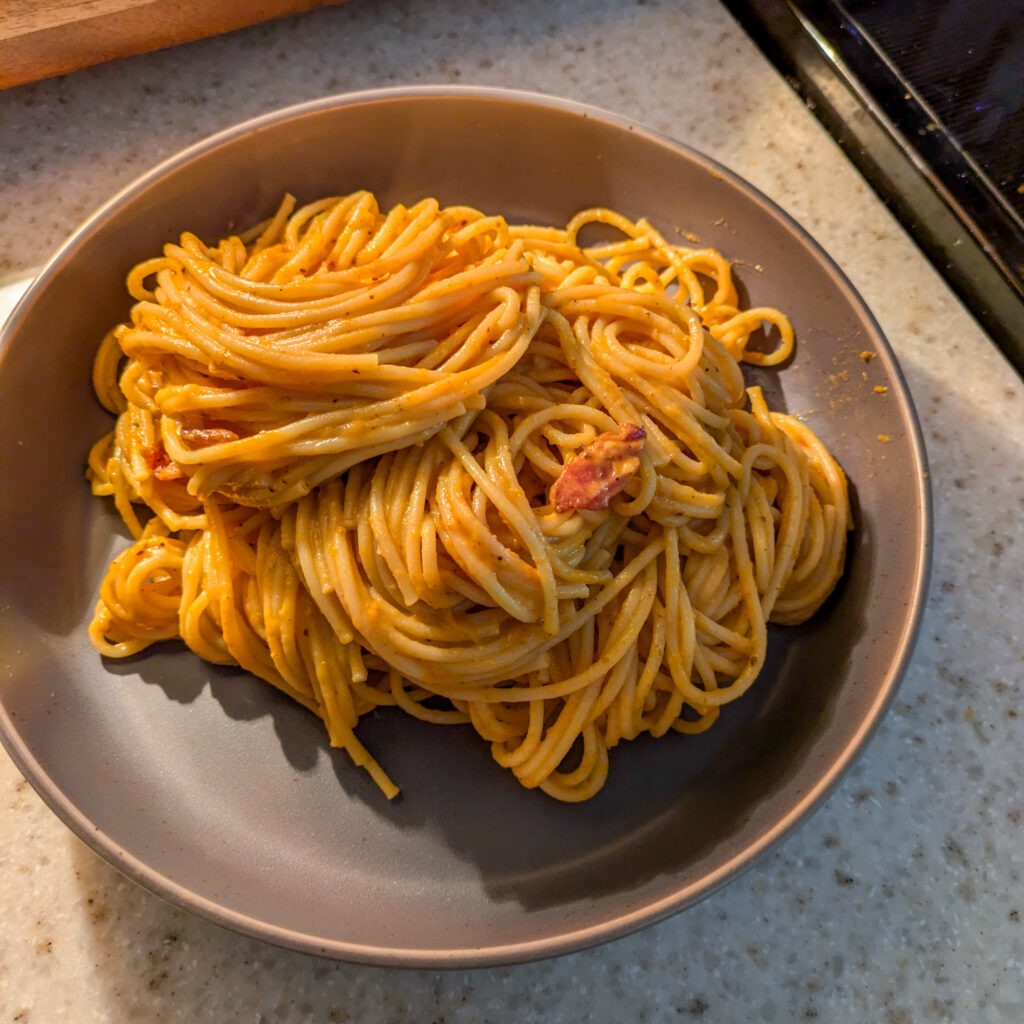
x,y
901,901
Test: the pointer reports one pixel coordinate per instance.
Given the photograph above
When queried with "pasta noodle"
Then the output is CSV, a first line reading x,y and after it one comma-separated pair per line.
x,y
337,443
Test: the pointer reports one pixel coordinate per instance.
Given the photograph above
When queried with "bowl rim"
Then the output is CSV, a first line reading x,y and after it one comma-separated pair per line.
x,y
582,938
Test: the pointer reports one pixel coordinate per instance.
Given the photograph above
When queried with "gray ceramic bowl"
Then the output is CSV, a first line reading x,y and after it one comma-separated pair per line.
x,y
212,790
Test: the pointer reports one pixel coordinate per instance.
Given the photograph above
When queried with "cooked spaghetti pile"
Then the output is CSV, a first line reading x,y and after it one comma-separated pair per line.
x,y
420,457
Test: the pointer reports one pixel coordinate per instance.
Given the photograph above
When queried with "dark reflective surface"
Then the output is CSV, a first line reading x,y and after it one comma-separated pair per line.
x,y
962,64
926,97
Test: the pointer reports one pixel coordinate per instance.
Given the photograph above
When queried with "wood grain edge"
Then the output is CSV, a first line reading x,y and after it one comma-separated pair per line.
x,y
31,56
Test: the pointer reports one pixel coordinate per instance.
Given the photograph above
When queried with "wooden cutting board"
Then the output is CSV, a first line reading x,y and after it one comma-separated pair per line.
x,y
40,38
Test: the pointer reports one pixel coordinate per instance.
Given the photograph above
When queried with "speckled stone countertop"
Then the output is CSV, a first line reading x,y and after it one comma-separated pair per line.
x,y
901,900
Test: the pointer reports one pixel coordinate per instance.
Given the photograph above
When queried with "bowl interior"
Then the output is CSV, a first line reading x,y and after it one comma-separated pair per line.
x,y
215,791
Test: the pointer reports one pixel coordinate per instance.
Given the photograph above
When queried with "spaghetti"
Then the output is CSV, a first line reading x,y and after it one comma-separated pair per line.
x,y
484,473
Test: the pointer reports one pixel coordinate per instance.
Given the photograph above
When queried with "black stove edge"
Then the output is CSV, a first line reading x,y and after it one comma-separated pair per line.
x,y
906,186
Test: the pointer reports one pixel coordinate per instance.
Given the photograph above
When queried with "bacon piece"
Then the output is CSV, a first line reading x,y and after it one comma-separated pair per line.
x,y
160,463
208,434
592,478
